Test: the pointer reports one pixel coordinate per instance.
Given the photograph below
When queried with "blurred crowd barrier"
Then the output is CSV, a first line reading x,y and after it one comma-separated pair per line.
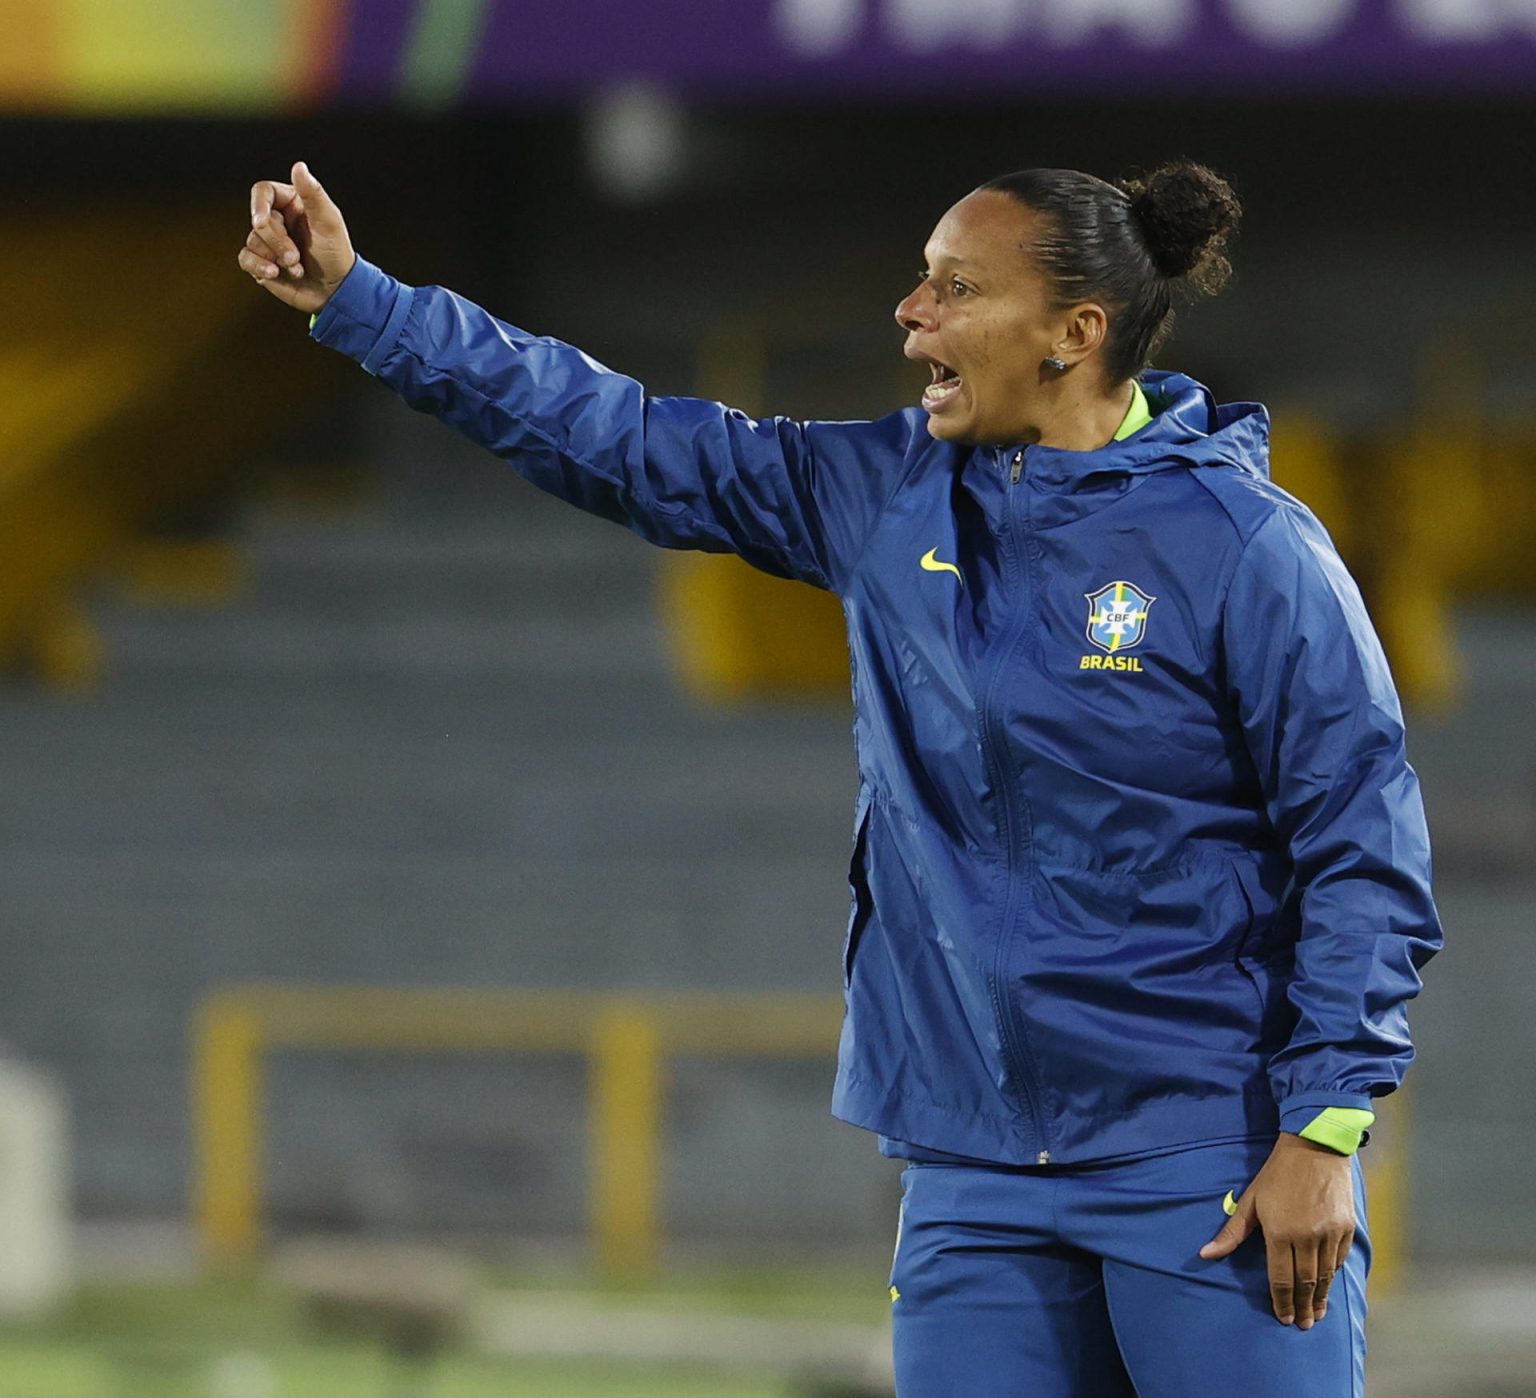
x,y
625,1039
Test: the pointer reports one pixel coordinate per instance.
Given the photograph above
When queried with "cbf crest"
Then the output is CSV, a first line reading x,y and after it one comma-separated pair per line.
x,y
1117,616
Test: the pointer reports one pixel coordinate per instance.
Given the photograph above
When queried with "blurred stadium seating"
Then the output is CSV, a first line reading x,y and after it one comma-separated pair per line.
x,y
129,414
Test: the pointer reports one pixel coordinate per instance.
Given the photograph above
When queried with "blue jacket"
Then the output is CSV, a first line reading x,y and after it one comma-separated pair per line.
x,y
1138,857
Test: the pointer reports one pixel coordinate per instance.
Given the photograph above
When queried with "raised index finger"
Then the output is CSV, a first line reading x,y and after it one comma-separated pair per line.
x,y
267,195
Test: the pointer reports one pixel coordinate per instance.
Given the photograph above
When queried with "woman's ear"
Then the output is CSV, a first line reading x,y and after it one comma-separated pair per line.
x,y
1084,330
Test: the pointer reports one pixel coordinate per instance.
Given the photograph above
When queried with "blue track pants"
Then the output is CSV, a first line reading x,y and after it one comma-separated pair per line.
x,y
1086,1282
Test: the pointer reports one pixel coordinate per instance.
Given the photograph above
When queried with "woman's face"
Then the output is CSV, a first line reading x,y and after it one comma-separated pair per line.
x,y
981,318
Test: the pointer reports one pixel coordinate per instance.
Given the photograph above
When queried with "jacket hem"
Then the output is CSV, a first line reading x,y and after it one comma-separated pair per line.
x,y
1148,1129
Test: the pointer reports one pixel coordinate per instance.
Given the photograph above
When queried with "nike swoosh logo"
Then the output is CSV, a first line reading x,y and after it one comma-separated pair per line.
x,y
1229,1205
934,565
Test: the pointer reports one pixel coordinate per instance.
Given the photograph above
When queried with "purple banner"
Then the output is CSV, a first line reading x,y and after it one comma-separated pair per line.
x,y
370,59
968,49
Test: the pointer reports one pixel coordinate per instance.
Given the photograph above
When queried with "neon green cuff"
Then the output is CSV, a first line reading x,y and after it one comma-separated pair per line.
x,y
1338,1128
313,319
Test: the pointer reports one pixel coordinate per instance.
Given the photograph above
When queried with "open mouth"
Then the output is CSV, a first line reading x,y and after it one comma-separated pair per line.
x,y
946,384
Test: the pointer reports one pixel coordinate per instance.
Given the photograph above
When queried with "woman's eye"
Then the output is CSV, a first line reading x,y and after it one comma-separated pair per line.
x,y
959,288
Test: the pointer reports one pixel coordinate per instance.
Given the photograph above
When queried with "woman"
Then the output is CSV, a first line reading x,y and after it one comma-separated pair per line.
x,y
1140,876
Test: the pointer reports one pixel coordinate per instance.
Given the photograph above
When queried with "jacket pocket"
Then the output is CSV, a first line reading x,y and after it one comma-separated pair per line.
x,y
1246,937
1266,960
860,904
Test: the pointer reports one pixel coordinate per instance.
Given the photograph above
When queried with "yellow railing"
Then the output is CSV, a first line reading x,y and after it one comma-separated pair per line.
x,y
625,1037
1387,1192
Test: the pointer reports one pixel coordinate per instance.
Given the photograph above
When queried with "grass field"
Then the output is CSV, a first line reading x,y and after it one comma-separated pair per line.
x,y
83,1369
243,1339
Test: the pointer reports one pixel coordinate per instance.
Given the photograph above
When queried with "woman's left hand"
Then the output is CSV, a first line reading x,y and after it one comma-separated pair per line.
x,y
1303,1200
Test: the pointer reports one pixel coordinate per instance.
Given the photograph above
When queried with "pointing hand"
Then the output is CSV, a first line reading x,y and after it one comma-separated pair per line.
x,y
298,248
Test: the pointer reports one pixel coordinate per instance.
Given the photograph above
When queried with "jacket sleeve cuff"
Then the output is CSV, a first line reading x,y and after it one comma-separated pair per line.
x,y
1298,1112
364,316
1344,1129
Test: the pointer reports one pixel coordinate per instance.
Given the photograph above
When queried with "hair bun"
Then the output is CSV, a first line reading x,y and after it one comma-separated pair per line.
x,y
1187,214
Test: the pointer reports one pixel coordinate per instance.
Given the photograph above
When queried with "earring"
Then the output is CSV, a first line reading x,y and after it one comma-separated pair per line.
x,y
1053,363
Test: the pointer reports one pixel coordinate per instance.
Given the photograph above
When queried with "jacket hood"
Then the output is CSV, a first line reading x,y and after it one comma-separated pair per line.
x,y
1188,428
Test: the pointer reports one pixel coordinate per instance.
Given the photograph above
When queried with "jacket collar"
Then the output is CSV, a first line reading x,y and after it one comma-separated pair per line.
x,y
1188,428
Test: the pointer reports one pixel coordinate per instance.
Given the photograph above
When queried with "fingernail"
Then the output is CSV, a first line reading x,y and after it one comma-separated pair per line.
x,y
1285,1319
291,256
258,220
1304,1325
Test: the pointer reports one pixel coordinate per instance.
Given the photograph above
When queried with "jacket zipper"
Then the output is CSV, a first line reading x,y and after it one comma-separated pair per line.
x,y
1017,1066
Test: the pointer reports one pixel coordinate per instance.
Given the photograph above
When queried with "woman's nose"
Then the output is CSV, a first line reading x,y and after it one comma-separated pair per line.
x,y
913,311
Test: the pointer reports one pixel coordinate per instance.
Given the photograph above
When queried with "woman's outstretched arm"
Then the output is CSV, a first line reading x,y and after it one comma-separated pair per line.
x,y
795,499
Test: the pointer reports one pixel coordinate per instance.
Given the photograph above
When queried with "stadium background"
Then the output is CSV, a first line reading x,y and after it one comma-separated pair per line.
x,y
303,691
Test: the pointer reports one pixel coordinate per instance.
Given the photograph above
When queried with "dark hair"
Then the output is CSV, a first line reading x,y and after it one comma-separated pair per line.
x,y
1130,244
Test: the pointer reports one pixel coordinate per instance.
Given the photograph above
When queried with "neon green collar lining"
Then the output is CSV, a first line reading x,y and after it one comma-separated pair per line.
x,y
1137,416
